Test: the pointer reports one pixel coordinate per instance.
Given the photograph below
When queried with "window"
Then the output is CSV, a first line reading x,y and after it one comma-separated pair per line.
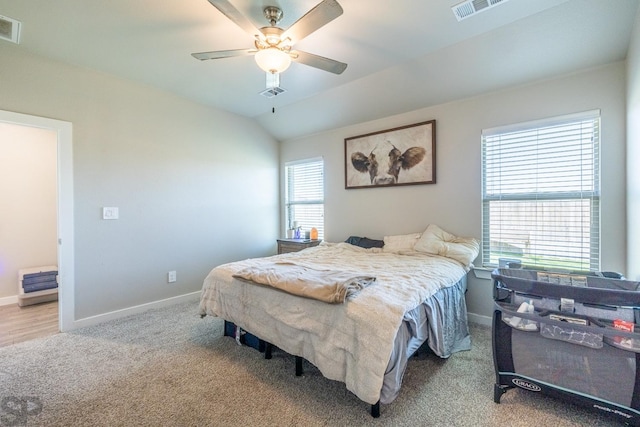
x,y
541,193
304,195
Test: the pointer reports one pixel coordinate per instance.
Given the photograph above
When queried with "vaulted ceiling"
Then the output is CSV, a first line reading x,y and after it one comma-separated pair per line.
x,y
401,55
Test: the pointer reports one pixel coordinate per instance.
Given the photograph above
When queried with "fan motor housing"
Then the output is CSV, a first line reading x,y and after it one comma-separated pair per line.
x,y
272,35
273,14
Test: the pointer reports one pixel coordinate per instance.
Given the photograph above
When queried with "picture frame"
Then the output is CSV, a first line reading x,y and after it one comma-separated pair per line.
x,y
404,155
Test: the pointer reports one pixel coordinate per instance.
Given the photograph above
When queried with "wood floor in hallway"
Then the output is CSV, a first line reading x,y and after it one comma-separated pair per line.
x,y
18,324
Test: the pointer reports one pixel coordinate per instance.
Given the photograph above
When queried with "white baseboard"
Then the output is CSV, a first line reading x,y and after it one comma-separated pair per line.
x,y
9,300
112,315
479,319
94,320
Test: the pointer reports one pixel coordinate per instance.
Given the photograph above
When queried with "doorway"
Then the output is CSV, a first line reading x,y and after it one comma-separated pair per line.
x,y
62,132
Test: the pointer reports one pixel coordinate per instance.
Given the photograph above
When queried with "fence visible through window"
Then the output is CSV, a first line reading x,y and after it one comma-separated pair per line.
x,y
541,193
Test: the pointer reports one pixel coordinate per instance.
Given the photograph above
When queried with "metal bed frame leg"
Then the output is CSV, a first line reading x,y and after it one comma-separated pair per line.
x,y
268,349
375,410
298,366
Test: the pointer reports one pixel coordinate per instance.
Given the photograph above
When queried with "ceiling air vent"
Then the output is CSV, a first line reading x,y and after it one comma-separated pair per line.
x,y
272,91
9,29
471,7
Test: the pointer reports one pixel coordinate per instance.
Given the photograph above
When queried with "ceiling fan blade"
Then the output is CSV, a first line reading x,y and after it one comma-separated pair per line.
x,y
325,12
319,62
218,54
228,10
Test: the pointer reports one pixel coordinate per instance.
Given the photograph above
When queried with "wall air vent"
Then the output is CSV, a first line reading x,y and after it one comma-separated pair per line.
x,y
472,7
272,91
10,29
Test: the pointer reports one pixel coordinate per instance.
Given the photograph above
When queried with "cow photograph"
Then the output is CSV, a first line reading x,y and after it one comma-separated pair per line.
x,y
401,156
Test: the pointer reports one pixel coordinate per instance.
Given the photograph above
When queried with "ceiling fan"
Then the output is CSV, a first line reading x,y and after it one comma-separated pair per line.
x,y
273,45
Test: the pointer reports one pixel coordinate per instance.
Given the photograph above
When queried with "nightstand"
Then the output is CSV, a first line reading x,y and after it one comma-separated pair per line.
x,y
295,245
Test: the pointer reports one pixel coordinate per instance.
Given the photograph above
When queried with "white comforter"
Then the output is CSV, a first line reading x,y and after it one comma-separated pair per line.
x,y
350,342
331,286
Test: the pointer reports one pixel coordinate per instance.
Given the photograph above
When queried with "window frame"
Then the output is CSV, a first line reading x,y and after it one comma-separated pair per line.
x,y
289,205
592,194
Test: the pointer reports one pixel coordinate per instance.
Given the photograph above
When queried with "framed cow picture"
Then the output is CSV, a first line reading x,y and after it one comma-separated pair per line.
x,y
400,156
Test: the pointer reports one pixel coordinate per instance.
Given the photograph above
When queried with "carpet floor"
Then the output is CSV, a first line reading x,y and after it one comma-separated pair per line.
x,y
169,367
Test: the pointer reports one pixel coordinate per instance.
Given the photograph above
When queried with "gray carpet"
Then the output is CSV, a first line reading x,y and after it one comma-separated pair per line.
x,y
169,367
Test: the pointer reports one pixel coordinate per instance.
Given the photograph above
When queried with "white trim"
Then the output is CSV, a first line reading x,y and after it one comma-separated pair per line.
x,y
551,121
9,300
301,161
66,295
480,319
118,314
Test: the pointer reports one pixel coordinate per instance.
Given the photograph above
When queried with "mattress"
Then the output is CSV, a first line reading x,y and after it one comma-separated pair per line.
x,y
364,342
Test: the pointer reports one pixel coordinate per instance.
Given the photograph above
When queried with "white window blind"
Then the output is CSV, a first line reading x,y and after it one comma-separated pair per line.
x,y
541,193
304,195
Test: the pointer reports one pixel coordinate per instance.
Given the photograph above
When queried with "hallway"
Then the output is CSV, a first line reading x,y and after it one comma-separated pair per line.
x,y
18,324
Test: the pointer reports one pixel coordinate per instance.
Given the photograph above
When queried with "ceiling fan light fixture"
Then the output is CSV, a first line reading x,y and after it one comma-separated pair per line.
x,y
273,60
273,45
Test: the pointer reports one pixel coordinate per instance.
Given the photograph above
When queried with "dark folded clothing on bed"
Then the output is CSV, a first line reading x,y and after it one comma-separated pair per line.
x,y
331,286
364,242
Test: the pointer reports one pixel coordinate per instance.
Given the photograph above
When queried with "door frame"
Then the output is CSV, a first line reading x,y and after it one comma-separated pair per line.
x,y
65,228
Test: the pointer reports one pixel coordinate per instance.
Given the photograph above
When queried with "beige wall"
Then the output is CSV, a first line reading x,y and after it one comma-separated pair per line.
x,y
195,186
633,153
28,192
454,202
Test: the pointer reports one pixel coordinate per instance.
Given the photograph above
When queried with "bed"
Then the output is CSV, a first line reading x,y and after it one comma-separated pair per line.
x,y
413,293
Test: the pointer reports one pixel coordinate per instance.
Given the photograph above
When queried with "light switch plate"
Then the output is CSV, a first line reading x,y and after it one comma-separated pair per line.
x,y
110,213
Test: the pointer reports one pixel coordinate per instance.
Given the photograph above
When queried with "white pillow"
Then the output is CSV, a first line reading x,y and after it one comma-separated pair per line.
x,y
436,241
399,243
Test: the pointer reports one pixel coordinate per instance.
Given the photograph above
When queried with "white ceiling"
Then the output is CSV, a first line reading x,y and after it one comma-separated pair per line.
x,y
401,55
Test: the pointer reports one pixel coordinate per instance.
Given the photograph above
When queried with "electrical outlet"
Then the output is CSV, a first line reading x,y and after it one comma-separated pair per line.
x,y
171,276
